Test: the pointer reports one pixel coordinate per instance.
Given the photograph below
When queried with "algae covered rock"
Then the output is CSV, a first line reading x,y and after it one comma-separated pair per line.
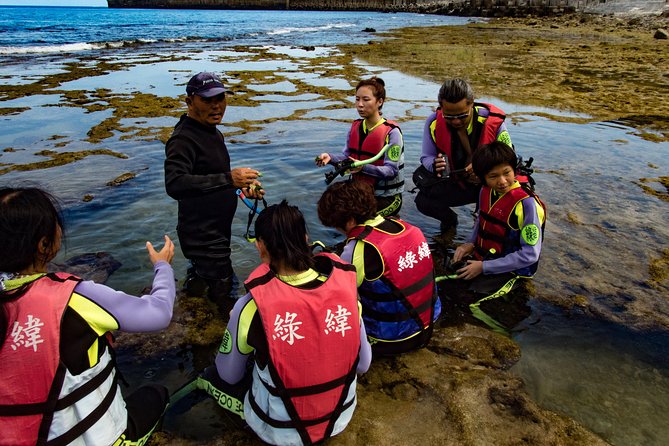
x,y
457,391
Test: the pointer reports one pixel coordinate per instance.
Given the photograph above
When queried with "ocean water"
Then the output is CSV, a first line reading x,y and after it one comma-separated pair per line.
x,y
28,30
602,232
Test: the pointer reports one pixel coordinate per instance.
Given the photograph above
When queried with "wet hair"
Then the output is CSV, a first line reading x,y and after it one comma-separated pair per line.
x,y
455,90
344,200
27,215
283,230
489,156
377,85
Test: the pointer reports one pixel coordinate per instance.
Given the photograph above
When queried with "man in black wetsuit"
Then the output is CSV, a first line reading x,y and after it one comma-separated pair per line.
x,y
198,175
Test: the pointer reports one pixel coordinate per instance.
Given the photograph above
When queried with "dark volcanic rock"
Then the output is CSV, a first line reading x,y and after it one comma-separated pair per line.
x,y
95,266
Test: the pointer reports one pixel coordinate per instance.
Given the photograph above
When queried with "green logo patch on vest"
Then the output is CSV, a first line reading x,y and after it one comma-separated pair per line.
x,y
226,344
530,234
394,152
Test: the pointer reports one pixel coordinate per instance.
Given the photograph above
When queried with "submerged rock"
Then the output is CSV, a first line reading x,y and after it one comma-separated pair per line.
x,y
661,34
122,179
95,266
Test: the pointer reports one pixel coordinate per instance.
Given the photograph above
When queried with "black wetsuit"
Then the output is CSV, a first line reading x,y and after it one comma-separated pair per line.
x,y
197,174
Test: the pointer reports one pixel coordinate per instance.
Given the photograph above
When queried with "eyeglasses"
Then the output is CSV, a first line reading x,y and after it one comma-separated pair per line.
x,y
454,117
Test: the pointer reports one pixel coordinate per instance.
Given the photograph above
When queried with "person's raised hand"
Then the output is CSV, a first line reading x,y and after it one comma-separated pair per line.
x,y
166,254
323,159
243,176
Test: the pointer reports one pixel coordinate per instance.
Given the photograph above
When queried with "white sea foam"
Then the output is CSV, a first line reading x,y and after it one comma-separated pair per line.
x,y
308,29
66,48
69,47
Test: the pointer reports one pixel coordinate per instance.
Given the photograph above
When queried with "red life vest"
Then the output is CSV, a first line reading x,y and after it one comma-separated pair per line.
x,y
364,146
442,133
30,358
313,337
494,232
408,277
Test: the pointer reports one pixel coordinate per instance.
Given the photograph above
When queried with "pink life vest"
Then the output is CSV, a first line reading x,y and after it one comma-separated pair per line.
x,y
313,337
408,273
373,142
30,358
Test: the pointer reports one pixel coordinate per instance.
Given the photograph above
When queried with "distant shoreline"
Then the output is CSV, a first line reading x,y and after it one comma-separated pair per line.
x,y
55,6
462,8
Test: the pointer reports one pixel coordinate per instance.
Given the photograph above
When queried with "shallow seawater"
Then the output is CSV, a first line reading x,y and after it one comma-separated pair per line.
x,y
612,379
602,231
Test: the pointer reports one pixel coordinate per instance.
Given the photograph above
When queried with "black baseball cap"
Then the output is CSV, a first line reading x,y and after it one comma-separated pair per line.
x,y
205,84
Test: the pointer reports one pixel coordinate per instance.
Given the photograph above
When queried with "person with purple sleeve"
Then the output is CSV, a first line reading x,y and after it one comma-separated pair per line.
x,y
58,381
505,244
451,135
295,343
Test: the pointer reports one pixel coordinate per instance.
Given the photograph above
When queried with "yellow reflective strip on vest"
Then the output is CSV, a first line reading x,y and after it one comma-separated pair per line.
x,y
93,354
96,316
433,126
245,318
372,340
358,261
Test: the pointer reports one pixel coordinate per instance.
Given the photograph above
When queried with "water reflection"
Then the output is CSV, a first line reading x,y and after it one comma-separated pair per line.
x,y
613,379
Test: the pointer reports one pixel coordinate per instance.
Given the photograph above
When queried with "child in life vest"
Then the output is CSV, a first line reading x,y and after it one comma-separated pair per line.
x,y
508,232
366,138
300,324
58,380
394,268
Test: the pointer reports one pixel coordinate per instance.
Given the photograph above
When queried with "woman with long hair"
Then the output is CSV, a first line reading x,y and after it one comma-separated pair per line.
x,y
366,138
58,380
301,322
